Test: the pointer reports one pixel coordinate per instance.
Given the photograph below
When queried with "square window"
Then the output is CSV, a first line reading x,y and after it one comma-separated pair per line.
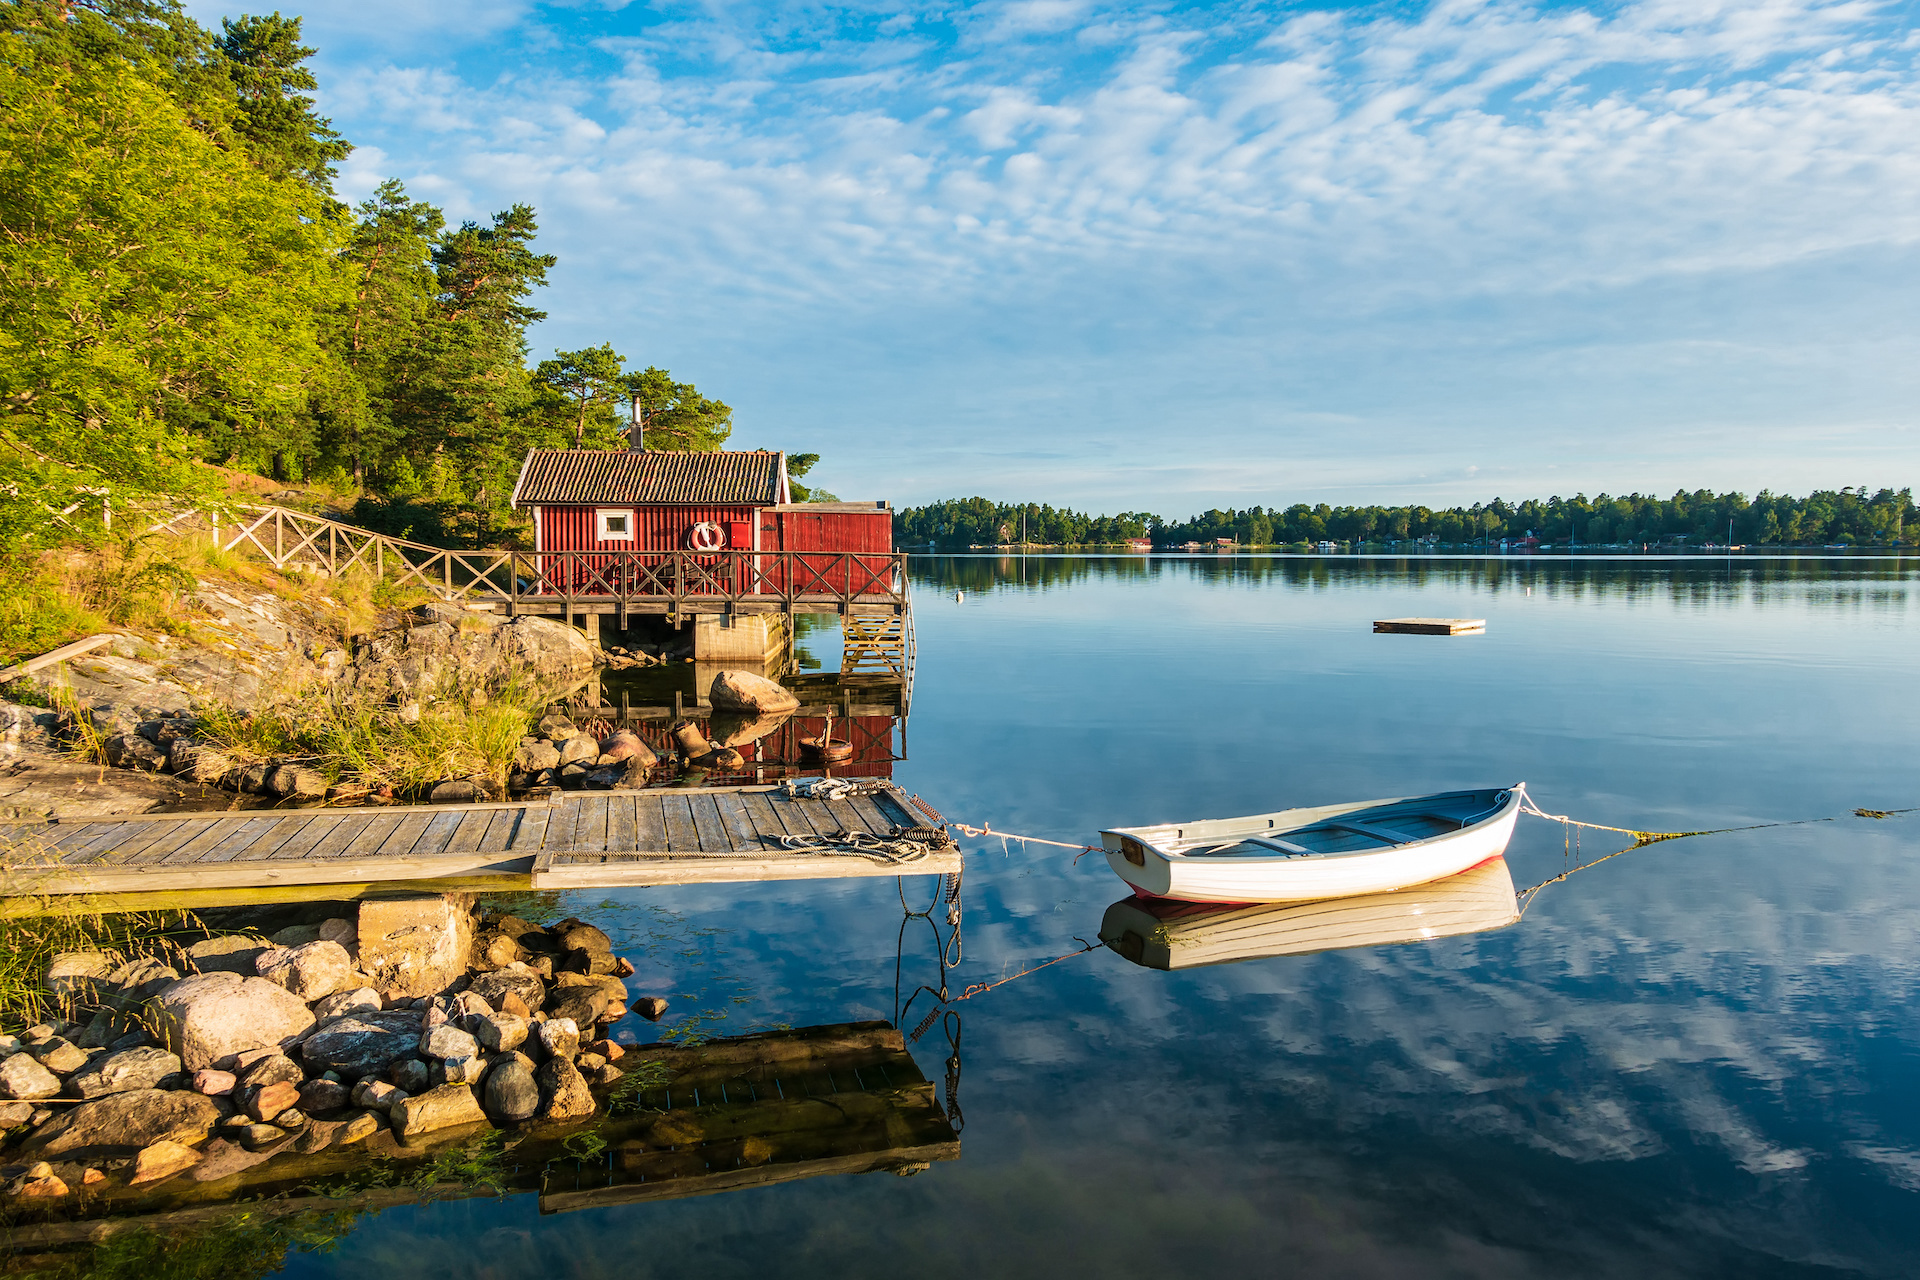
x,y
614,525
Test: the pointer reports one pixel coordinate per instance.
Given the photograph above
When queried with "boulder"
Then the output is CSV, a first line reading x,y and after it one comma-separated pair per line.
x,y
460,1071
79,973
556,726
448,1041
232,953
215,1084
626,745
312,971
500,1032
577,935
13,1114
263,1137
536,756
376,1095
511,1092
363,1044
549,651
45,1187
136,982
417,945
410,1075
341,930
440,1108
650,1007
271,1068
267,1101
318,1097
579,749
127,1122
522,983
750,695
210,1015
162,1160
582,1004
130,1069
131,751
22,1078
344,1003
223,1159
564,1091
731,729
297,782
59,1055
456,791
560,1037
295,935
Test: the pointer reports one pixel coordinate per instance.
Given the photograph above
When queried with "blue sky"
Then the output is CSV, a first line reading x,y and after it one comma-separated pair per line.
x,y
1171,256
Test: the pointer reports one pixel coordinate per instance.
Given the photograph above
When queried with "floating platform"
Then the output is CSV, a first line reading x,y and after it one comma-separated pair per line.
x,y
1430,626
656,836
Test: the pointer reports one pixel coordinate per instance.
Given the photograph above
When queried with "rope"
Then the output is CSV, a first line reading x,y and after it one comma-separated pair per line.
x,y
987,830
859,844
1644,838
981,988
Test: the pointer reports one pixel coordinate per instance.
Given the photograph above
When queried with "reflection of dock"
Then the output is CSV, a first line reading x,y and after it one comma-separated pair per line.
x,y
656,836
765,1109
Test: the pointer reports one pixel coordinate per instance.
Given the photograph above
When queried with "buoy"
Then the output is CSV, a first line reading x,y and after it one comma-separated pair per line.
x,y
826,749
958,596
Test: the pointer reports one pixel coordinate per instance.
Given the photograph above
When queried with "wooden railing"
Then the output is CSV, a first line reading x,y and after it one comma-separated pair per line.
x,y
553,581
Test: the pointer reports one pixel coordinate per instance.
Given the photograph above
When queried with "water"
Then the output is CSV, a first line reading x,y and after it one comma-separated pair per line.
x,y
1696,1059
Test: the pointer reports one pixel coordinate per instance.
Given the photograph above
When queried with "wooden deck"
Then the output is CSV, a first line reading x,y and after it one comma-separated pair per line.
x,y
1430,626
649,837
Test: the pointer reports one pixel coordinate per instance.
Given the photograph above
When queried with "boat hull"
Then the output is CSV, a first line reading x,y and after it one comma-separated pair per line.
x,y
1161,874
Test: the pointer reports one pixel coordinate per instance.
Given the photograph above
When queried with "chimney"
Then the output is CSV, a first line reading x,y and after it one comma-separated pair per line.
x,y
637,430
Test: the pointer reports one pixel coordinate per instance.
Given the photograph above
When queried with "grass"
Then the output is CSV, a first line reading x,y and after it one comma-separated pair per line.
x,y
29,943
366,747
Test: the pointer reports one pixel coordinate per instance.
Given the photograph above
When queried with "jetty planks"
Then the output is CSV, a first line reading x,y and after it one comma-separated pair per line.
x,y
1429,626
656,836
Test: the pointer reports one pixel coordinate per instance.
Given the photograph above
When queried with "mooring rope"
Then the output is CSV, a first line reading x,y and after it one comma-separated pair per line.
x,y
987,830
859,844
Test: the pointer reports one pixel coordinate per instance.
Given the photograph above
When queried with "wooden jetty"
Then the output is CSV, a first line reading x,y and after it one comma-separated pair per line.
x,y
656,836
1430,626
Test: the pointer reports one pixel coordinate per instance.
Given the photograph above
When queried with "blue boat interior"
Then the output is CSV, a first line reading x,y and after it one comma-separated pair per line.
x,y
1365,830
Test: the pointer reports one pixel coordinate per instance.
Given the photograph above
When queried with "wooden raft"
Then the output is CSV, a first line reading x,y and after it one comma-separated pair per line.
x,y
651,837
1429,626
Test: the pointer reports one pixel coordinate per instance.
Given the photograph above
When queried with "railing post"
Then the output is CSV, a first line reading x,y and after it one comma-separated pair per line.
x,y
279,539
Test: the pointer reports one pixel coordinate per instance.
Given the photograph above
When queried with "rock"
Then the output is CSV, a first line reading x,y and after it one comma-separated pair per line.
x,y
44,1188
417,945
536,756
625,745
513,1004
130,1069
266,1101
588,1062
131,751
292,1120
469,1005
564,1091
750,695
10,1045
233,953
614,1011
456,791
410,1075
376,1095
59,1055
122,1122
605,1074
162,1160
23,1078
583,1005
136,982
272,1068
222,1159
650,1007
214,1084
341,930
500,1032
13,1114
297,782
441,1108
460,1071
296,935
363,1044
577,935
511,1092
448,1041
321,1096
560,1037
210,1015
606,1049
555,726
79,973
262,1137
731,729
312,971
523,984
358,1127
580,749
622,967
342,1004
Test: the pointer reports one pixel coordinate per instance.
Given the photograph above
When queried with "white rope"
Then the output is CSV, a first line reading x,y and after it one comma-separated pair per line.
x,y
859,844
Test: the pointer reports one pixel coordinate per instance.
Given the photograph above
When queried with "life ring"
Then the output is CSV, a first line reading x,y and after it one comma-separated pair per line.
x,y
707,536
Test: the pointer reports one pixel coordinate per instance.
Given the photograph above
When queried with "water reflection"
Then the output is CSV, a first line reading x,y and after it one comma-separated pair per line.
x,y
1162,934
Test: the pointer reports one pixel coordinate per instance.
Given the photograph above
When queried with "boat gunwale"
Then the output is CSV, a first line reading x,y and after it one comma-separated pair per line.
x,y
1223,829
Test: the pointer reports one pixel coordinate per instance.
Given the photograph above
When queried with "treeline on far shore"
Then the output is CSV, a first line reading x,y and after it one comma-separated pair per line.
x,y
1849,516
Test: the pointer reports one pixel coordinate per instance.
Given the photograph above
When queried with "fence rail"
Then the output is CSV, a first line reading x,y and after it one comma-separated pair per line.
x,y
621,582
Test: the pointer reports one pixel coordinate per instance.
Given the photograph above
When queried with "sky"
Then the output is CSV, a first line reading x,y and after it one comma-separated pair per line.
x,y
1165,257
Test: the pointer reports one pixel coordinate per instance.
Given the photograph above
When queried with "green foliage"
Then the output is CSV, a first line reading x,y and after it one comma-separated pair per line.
x,y
960,523
266,62
589,382
245,1245
674,415
798,464
29,943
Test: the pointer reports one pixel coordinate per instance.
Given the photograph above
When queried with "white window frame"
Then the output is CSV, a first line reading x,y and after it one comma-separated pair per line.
x,y
601,533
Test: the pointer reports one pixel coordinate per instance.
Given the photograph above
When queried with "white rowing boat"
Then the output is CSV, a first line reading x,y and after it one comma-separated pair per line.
x,y
1164,934
1303,855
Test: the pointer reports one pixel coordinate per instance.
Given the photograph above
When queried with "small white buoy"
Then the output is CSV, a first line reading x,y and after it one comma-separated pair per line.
x,y
958,596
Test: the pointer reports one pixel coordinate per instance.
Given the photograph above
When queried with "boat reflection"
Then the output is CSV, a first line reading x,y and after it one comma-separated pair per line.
x,y
1161,934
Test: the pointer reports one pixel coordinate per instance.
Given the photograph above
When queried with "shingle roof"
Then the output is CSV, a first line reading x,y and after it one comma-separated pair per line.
x,y
561,477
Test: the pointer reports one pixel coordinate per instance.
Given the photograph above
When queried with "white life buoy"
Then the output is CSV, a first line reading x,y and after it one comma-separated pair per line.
x,y
707,536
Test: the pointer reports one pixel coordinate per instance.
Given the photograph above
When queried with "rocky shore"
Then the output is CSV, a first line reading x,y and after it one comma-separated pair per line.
x,y
396,1019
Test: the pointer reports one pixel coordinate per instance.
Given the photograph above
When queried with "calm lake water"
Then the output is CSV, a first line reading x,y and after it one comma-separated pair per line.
x,y
1697,1059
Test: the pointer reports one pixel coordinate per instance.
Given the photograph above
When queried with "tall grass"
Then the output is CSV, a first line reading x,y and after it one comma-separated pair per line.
x,y
29,943
366,747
